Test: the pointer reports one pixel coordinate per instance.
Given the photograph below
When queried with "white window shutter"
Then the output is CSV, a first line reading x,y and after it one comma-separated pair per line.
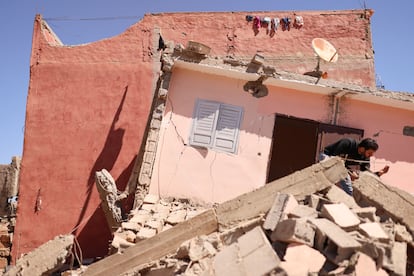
x,y
205,120
227,129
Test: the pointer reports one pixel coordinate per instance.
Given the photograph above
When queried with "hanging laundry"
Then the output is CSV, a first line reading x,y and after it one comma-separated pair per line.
x,y
249,18
275,23
286,23
298,22
267,22
256,22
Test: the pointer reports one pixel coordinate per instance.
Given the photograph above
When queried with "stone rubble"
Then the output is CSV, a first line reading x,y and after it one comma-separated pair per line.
x,y
291,232
293,238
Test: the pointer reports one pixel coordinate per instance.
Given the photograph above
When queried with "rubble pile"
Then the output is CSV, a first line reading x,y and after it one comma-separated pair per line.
x,y
154,216
328,233
6,236
302,224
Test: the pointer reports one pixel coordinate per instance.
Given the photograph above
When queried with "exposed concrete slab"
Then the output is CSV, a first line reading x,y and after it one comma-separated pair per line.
x,y
300,184
398,205
45,259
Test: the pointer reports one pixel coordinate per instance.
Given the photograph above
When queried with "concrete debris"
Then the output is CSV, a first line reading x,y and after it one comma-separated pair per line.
x,y
44,260
110,199
325,232
285,231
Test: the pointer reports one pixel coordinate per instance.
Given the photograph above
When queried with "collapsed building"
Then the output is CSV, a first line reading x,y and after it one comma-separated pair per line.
x,y
301,224
182,107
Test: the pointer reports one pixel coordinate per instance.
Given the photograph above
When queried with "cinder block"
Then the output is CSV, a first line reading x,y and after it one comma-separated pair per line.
x,y
374,230
367,266
256,253
294,230
331,231
282,204
316,202
340,214
394,258
301,259
401,234
303,211
366,213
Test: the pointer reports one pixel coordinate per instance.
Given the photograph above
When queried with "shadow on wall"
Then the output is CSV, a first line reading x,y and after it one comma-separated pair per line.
x,y
105,160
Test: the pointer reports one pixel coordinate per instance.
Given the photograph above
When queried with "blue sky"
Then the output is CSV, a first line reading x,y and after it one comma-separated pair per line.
x,y
82,21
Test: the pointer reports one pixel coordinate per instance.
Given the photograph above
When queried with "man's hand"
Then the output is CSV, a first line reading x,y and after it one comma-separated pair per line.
x,y
384,170
354,175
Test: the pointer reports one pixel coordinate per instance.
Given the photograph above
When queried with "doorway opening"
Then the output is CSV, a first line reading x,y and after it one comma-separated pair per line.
x,y
296,143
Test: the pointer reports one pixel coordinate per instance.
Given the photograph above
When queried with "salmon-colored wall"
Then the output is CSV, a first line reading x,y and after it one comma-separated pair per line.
x,y
229,34
87,109
185,171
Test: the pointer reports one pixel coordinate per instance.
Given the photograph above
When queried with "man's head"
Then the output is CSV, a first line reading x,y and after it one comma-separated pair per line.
x,y
367,147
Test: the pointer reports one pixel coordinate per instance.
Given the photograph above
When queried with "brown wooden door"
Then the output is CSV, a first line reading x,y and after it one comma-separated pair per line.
x,y
297,143
294,146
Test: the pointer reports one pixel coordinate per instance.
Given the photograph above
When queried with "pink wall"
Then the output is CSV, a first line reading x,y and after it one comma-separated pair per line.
x,y
184,171
207,175
229,34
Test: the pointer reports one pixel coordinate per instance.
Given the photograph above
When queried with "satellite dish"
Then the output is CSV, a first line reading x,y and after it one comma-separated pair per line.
x,y
324,49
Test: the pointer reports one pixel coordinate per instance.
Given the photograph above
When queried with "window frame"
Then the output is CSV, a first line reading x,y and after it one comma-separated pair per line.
x,y
216,126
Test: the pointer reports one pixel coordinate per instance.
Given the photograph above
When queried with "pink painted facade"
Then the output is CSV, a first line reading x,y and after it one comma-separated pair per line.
x,y
208,175
88,106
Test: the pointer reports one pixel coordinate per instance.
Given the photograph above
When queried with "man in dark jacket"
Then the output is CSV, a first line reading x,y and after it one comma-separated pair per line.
x,y
356,156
